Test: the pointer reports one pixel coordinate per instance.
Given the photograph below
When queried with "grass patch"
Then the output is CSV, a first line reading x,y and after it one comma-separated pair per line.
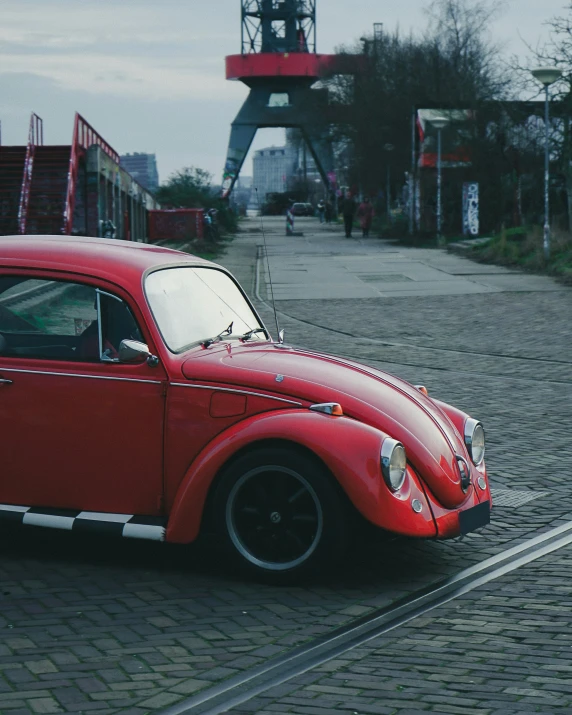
x,y
522,248
203,249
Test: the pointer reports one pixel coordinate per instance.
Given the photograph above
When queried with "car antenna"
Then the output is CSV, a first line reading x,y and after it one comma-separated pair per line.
x,y
280,334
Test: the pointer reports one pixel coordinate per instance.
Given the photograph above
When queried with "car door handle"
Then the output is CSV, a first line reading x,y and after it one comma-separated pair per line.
x,y
5,382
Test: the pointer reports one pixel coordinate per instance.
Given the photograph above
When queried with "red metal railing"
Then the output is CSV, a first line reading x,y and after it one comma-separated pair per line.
x,y
84,136
35,138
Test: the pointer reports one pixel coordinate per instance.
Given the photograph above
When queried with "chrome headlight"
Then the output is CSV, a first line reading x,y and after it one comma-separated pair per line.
x,y
475,440
393,463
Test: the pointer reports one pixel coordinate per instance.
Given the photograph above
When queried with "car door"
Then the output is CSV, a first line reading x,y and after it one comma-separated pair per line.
x,y
79,430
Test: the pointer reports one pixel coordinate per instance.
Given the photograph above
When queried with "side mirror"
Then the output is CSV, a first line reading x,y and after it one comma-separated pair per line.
x,y
134,351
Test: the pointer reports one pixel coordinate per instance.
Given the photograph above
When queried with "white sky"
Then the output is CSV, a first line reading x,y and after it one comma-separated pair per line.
x,y
149,74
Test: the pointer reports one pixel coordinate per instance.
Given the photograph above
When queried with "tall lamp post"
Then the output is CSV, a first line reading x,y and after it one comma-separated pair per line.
x,y
547,76
439,123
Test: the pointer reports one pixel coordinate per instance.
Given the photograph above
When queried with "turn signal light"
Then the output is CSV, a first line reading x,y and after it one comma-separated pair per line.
x,y
423,389
329,408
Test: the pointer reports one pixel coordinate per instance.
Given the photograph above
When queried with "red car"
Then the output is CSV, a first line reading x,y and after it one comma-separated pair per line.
x,y
141,395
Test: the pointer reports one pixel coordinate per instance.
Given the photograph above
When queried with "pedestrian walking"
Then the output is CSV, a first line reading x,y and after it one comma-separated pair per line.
x,y
365,215
321,210
329,211
348,212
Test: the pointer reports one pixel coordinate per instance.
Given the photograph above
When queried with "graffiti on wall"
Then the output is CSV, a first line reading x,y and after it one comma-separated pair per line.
x,y
471,208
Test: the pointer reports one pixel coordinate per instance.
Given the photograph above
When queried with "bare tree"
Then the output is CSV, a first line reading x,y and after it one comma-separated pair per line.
x,y
459,33
453,64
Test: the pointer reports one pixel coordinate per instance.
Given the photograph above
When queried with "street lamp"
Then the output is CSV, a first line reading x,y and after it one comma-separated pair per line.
x,y
546,76
388,148
439,123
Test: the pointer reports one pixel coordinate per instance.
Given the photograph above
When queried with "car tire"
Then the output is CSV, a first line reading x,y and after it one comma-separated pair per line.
x,y
279,514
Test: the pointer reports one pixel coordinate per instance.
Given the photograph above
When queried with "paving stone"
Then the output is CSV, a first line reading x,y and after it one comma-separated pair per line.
x,y
44,705
160,701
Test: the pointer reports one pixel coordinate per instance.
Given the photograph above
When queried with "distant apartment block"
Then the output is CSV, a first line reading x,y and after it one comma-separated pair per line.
x,y
143,168
243,190
272,168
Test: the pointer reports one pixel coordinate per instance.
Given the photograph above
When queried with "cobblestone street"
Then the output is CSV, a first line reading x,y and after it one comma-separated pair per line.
x,y
90,626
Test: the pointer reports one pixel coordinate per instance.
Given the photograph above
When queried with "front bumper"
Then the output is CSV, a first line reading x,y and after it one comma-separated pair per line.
x,y
450,523
432,520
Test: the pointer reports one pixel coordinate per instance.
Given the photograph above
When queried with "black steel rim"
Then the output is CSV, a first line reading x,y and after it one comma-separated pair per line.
x,y
274,517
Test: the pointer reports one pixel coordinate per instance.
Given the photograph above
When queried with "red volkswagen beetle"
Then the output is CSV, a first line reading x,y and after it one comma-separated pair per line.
x,y
141,395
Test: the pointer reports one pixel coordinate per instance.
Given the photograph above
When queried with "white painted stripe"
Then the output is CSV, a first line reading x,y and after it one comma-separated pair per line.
x,y
49,521
103,516
10,507
144,531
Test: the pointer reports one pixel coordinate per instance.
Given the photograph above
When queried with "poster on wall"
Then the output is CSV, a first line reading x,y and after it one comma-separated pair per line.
x,y
455,137
471,209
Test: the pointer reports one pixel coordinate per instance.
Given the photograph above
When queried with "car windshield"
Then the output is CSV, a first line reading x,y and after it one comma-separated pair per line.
x,y
193,304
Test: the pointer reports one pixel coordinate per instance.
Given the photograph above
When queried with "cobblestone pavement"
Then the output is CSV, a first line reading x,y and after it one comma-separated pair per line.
x,y
91,626
504,648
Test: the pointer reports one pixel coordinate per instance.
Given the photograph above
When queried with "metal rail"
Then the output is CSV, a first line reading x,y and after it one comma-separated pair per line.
x,y
84,136
240,689
35,138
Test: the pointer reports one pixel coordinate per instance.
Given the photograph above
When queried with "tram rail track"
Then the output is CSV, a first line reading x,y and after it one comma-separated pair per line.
x,y
242,688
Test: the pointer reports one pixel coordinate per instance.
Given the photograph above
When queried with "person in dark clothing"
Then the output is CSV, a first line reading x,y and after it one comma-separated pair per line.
x,y
348,212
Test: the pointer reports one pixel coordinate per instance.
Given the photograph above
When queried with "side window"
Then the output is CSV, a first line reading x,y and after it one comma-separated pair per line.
x,y
61,321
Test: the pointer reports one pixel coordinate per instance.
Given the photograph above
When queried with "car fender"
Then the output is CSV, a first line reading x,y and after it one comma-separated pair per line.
x,y
349,449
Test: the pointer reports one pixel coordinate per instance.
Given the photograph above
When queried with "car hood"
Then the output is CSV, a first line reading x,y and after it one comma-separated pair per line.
x,y
381,400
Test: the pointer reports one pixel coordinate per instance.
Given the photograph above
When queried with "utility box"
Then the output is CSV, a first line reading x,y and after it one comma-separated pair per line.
x,y
176,225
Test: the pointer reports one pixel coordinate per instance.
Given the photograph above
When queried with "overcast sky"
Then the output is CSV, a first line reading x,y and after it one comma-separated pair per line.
x,y
149,74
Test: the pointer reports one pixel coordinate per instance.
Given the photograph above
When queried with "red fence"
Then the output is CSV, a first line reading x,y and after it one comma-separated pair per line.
x,y
176,225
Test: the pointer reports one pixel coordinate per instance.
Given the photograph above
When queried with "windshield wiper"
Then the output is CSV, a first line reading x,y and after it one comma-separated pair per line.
x,y
227,331
250,333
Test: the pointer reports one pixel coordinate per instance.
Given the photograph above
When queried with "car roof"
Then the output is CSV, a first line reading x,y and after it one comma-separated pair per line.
x,y
100,257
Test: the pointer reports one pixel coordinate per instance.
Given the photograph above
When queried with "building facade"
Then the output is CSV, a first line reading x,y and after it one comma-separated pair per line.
x,y
143,168
272,169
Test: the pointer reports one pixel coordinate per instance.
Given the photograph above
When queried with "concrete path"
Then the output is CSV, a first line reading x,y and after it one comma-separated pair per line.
x,y
322,263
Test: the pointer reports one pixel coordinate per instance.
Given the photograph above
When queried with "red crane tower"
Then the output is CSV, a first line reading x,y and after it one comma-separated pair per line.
x,y
280,65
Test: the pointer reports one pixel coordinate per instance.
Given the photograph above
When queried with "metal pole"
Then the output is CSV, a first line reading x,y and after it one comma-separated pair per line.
x,y
438,184
546,181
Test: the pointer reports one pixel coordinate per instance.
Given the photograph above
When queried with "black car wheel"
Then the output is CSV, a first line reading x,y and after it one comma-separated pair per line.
x,y
279,514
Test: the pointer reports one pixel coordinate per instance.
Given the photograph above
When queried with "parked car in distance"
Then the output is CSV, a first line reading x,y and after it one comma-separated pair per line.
x,y
141,395
303,209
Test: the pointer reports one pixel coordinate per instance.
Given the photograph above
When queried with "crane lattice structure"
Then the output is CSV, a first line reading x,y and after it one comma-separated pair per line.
x,y
280,64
